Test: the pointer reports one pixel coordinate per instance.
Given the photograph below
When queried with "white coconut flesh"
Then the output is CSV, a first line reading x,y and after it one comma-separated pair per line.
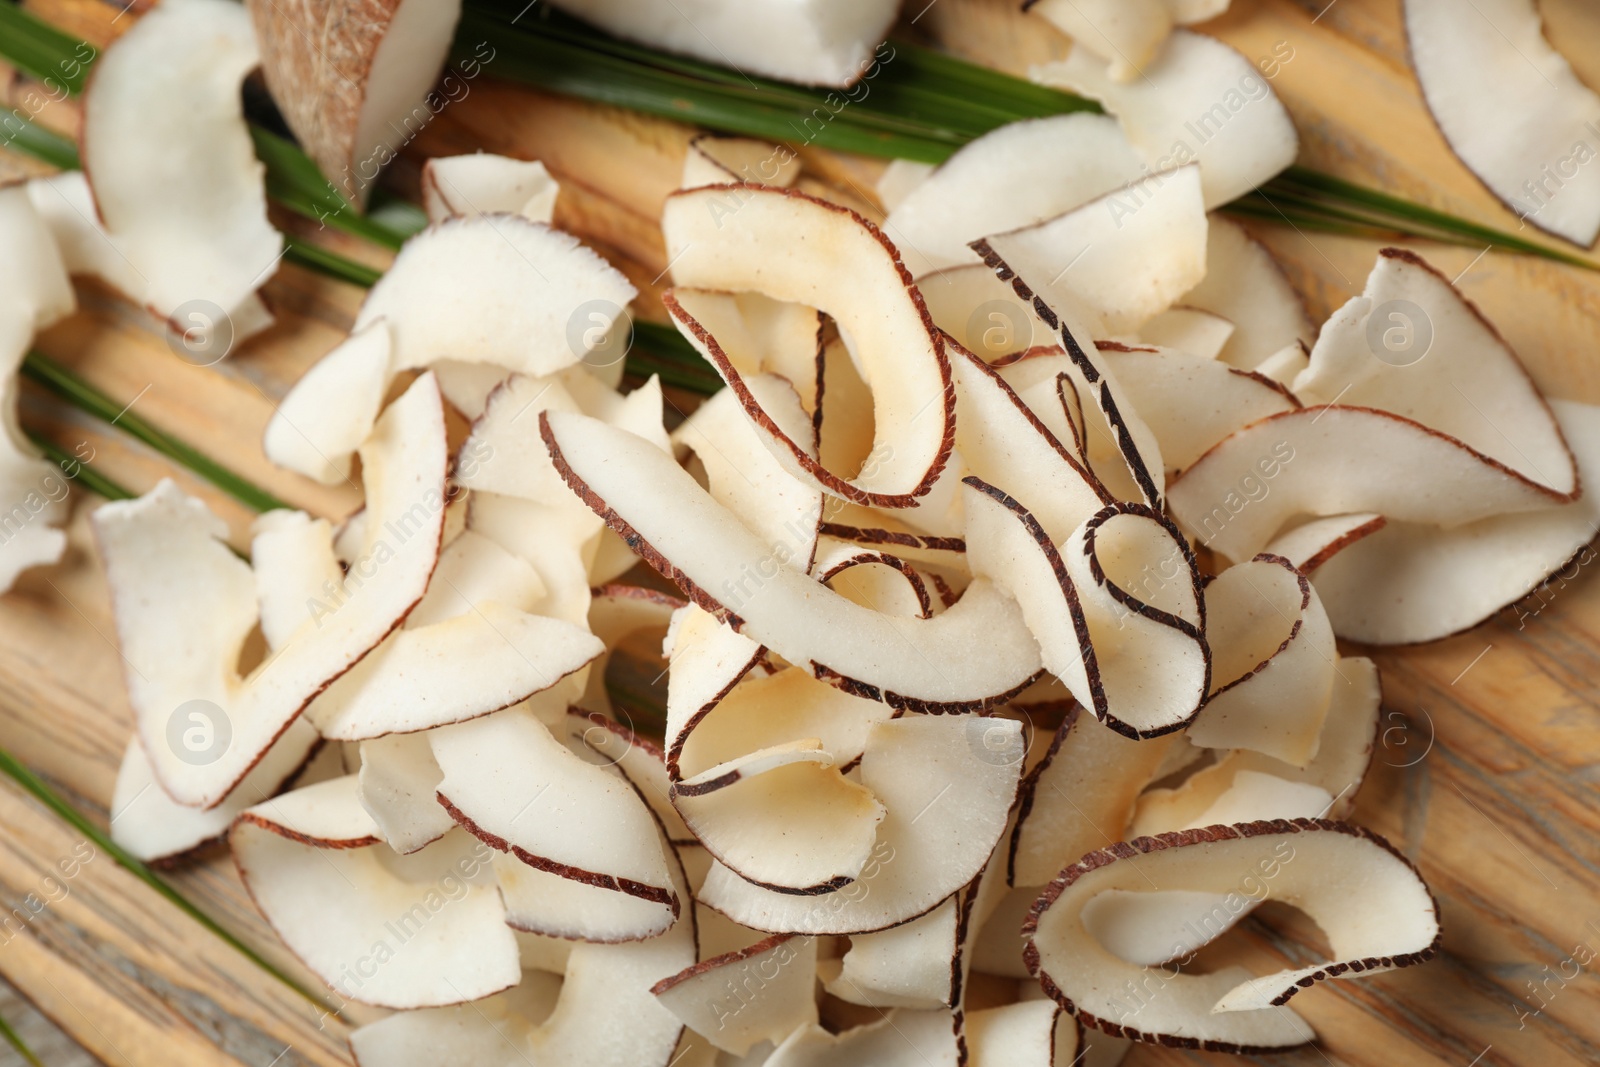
x,y
476,606
602,1012
485,184
494,289
747,479
801,250
1247,287
1016,175
1366,897
1029,1033
1121,258
1190,330
1511,108
184,605
39,293
1079,798
825,42
913,965
904,1037
1200,102
415,931
355,91
1189,402
398,785
680,530
190,219
1344,751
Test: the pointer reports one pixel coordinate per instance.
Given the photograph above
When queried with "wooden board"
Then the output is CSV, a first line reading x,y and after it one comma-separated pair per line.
x,y
1490,748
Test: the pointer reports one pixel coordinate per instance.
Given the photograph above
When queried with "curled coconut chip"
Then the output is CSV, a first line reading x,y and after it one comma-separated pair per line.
x,y
355,84
1366,897
911,765
483,184
174,174
184,604
759,993
717,159
1127,34
798,249
678,529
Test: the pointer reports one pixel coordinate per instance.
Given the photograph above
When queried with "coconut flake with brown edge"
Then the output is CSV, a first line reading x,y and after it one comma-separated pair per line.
x,y
170,163
184,604
802,250
379,928
495,289
483,184
657,507
1365,896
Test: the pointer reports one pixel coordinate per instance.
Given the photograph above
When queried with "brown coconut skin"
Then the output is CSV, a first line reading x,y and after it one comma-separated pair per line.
x,y
317,58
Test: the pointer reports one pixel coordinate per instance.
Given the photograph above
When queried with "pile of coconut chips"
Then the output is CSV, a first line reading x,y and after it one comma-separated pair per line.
x,y
1012,559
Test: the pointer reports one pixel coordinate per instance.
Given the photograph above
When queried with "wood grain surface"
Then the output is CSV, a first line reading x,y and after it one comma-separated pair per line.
x,y
1490,748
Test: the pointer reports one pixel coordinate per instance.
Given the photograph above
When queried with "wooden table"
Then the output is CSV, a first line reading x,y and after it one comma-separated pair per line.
x,y
1490,749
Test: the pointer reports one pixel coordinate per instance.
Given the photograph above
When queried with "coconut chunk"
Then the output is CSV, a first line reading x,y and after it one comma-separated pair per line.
x,y
747,479
604,1014
801,250
1311,544
902,1038
1367,898
483,184
1273,662
157,829
1201,101
761,993
400,932
355,85
1013,176
919,861
1511,108
170,163
819,42
783,818
1126,34
1030,1033
1191,330
1374,352
913,965
681,531
184,605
